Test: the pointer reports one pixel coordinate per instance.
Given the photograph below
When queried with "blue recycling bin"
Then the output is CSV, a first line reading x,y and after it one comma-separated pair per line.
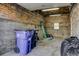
x,y
22,42
25,41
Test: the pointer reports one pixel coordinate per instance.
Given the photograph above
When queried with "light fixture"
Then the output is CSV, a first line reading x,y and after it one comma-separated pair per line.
x,y
50,9
55,15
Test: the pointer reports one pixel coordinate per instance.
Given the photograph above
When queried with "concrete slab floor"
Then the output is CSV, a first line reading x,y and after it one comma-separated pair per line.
x,y
46,48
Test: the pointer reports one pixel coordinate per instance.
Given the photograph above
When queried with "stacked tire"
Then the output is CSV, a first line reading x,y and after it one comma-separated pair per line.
x,y
70,47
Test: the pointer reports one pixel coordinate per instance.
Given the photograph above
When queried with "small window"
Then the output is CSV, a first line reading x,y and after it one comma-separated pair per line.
x,y
56,25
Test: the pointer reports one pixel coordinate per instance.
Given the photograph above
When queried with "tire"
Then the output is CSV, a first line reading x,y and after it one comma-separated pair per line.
x,y
16,49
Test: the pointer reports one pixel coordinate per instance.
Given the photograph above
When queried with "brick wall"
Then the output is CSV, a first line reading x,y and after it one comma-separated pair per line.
x,y
13,16
15,12
7,34
64,26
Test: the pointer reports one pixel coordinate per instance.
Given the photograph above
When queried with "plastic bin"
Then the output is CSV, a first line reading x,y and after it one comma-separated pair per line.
x,y
25,41
33,44
22,42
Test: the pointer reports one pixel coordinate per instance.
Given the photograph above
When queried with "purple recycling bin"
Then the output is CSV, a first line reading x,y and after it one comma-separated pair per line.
x,y
22,42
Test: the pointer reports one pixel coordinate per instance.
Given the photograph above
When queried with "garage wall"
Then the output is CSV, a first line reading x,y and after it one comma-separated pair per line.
x,y
64,26
7,34
17,13
13,16
74,16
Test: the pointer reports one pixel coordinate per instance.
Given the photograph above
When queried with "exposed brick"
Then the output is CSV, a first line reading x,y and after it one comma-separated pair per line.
x,y
13,13
64,26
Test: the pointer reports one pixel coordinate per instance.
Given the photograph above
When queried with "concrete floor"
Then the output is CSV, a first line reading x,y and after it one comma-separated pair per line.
x,y
45,48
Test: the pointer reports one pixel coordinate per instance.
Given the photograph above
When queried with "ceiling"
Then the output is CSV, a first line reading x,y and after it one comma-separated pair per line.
x,y
38,6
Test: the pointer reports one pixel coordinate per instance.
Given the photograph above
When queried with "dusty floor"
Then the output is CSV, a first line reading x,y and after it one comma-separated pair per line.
x,y
46,48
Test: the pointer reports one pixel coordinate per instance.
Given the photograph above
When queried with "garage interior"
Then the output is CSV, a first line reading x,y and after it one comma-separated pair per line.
x,y
53,22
